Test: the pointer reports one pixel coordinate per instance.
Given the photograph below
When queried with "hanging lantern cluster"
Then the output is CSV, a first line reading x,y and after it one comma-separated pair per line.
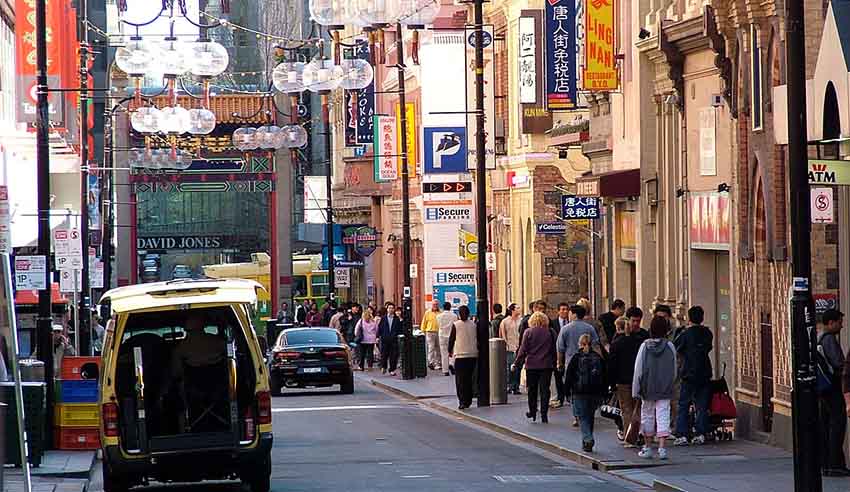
x,y
204,59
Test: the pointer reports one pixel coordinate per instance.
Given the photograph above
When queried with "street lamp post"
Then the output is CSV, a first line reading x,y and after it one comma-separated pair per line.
x,y
482,302
84,316
807,473
407,371
44,322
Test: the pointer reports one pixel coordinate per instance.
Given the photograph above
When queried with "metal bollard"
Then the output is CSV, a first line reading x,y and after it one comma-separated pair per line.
x,y
498,372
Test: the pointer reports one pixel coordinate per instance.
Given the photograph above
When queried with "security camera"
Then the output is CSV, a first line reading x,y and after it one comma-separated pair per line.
x,y
643,33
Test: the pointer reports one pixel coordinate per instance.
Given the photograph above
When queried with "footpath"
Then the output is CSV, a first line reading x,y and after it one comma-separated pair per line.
x,y
739,465
60,471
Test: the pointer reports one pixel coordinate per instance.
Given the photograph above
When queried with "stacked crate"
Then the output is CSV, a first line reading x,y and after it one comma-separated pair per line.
x,y
77,415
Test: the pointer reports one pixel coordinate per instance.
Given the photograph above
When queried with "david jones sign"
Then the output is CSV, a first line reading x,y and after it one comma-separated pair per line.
x,y
183,242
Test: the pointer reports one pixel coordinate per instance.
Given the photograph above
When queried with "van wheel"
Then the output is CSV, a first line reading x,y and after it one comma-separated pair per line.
x,y
261,478
347,387
111,483
275,385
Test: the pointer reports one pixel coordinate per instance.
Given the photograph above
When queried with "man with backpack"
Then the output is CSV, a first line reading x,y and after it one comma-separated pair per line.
x,y
586,381
621,370
832,406
693,346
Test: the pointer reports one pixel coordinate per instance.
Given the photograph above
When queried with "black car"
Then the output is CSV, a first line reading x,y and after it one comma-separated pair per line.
x,y
312,357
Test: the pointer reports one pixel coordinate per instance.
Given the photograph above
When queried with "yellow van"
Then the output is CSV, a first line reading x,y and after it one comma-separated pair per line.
x,y
184,389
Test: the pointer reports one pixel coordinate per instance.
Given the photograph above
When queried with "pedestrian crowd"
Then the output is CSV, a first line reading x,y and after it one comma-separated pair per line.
x,y
655,383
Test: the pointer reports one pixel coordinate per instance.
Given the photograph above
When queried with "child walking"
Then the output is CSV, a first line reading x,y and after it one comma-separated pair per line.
x,y
655,373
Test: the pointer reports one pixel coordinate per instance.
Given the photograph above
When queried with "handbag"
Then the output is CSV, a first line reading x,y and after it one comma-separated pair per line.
x,y
522,378
611,409
723,406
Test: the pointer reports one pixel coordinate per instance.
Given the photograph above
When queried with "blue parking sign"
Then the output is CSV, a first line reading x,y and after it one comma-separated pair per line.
x,y
444,149
579,207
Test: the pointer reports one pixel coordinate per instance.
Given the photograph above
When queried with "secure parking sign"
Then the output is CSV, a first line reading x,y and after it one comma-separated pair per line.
x,y
445,150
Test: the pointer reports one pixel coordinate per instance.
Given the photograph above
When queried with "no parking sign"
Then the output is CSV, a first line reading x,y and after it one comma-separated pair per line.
x,y
822,206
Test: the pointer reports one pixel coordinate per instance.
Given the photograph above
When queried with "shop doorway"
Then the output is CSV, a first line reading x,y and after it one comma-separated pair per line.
x,y
766,372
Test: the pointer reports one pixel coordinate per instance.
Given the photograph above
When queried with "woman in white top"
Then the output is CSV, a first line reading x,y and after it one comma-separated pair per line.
x,y
463,346
509,331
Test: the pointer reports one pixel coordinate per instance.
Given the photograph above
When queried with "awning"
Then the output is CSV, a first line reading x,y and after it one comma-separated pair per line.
x,y
613,184
30,297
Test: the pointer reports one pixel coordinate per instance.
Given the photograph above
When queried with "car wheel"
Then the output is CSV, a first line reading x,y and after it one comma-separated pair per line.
x,y
261,477
275,385
347,387
111,483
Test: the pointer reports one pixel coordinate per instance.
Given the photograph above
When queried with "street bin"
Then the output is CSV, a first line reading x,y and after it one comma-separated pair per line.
x,y
498,372
35,409
2,442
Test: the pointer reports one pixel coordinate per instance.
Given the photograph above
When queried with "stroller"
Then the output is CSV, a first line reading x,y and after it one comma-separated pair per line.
x,y
722,409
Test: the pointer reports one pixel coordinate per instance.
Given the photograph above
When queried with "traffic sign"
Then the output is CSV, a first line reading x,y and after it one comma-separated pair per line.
x,y
30,272
68,248
448,187
822,206
491,261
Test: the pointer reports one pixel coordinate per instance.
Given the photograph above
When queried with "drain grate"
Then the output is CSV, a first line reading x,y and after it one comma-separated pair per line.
x,y
547,479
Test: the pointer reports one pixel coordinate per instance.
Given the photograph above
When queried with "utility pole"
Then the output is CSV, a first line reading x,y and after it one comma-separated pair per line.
x,y
804,398
329,211
44,322
84,318
482,303
407,371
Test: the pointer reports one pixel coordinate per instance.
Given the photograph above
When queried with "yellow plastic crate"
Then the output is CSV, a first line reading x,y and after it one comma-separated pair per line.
x,y
77,415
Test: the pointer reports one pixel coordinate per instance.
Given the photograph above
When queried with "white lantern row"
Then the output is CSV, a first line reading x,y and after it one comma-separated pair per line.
x,y
322,75
337,13
174,120
157,159
269,137
171,57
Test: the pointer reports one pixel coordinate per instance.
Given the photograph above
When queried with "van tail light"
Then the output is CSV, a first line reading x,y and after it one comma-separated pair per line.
x,y
110,419
264,408
336,354
287,355
250,429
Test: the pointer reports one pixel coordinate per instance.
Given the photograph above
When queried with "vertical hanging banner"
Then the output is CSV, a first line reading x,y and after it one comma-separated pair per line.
x,y
359,105
535,117
600,69
410,121
386,148
25,55
561,54
489,97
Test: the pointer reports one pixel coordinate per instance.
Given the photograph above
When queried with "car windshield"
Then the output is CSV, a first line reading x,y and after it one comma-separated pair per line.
x,y
307,337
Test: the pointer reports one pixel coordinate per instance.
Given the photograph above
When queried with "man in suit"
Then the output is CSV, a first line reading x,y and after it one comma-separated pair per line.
x,y
389,328
557,324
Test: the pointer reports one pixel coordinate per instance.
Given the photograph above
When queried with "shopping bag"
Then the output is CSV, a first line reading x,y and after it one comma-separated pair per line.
x,y
522,380
611,409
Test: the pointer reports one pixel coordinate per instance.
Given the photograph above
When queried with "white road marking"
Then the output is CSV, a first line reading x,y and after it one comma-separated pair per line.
x,y
416,476
329,409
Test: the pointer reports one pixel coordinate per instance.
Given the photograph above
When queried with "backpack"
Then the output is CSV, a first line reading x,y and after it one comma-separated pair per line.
x,y
590,375
825,371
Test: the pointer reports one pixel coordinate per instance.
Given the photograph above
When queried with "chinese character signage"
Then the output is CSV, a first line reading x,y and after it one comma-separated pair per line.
x,y
600,70
359,105
386,148
561,53
534,117
579,207
410,122
527,60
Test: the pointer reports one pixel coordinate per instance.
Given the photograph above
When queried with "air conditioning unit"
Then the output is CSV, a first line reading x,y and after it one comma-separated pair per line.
x,y
717,100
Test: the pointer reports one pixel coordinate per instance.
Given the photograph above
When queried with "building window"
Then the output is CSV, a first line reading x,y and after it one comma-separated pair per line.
x,y
756,79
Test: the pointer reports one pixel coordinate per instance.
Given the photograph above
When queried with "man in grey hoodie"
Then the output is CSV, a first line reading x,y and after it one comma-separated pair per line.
x,y
655,374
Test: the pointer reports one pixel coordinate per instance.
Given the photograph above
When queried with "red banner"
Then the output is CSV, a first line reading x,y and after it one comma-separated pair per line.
x,y
61,50
710,220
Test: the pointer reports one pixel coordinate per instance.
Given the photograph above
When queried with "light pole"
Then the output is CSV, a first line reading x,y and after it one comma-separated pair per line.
x,y
84,317
44,322
407,371
482,302
804,399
